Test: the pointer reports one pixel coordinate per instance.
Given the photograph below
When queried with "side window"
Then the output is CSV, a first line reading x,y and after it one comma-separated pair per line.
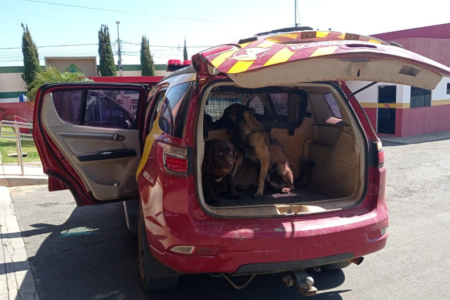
x,y
107,108
333,105
217,103
173,113
257,105
154,113
280,102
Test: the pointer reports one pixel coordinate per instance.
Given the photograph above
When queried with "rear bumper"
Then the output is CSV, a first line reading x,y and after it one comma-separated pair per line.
x,y
269,246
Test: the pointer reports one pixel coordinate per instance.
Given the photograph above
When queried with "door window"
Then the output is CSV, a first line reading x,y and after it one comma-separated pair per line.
x,y
110,108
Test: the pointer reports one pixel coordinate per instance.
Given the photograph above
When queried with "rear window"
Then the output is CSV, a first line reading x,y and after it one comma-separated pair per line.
x,y
266,106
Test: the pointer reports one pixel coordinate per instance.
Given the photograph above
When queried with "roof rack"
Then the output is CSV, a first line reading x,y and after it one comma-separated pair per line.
x,y
288,29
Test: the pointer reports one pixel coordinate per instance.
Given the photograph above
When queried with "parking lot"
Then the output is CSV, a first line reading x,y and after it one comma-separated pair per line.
x,y
88,253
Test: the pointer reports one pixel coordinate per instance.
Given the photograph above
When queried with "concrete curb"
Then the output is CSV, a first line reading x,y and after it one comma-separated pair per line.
x,y
418,139
16,278
10,181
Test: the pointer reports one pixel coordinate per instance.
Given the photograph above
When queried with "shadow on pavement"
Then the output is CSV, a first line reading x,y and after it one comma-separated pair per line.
x,y
92,255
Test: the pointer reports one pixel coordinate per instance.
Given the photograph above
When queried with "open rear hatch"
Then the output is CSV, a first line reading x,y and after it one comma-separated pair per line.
x,y
310,56
336,146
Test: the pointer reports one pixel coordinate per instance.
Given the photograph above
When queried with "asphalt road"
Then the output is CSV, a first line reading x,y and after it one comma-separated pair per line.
x,y
88,253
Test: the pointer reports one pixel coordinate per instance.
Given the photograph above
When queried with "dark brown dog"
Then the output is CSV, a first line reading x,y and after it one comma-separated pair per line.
x,y
217,170
261,148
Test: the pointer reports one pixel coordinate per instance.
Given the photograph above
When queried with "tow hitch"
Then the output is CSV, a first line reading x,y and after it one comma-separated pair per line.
x,y
304,282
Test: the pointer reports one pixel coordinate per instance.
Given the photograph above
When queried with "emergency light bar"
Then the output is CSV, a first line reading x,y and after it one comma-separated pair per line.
x,y
176,64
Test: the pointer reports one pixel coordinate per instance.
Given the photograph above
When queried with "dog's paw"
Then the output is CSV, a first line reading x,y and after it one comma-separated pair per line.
x,y
285,190
212,202
235,197
257,195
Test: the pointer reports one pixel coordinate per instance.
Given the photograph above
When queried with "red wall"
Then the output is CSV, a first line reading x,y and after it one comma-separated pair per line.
x,y
421,120
440,31
436,49
21,109
416,121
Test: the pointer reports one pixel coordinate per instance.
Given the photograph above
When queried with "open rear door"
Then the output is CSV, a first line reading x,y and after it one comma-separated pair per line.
x,y
87,135
308,56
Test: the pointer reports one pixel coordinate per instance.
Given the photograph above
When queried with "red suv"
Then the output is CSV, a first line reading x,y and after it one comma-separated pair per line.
x,y
122,142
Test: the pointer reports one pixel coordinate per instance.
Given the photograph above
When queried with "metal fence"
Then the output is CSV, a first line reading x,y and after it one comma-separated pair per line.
x,y
22,132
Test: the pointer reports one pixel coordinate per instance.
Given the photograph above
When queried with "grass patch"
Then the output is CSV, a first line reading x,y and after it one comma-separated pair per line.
x,y
9,146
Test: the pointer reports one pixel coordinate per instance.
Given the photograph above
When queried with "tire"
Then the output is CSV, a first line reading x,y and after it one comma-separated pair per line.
x,y
154,276
336,266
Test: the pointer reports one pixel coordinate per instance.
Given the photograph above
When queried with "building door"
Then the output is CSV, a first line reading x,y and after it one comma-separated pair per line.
x,y
386,108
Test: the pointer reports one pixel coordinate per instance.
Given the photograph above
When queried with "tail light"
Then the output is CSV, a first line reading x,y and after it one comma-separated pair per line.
x,y
172,159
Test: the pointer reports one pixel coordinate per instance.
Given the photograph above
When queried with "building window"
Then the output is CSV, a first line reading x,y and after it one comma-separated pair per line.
x,y
420,97
448,88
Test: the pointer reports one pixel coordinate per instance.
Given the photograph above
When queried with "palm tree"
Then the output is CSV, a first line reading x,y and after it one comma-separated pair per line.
x,y
52,75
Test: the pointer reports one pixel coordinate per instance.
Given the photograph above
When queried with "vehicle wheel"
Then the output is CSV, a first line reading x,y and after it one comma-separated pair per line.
x,y
336,266
154,275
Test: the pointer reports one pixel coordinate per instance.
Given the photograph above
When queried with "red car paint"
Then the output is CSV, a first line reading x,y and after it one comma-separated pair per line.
x,y
173,216
171,222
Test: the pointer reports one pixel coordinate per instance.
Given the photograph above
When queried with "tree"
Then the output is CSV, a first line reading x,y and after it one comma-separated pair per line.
x,y
107,66
185,54
30,57
52,75
148,67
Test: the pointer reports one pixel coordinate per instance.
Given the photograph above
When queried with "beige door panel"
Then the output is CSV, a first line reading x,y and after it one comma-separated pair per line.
x,y
107,179
85,145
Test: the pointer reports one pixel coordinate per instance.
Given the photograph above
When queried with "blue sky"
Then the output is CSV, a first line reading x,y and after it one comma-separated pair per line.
x,y
203,23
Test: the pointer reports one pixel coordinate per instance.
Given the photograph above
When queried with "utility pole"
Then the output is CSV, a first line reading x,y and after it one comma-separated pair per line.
x,y
295,12
120,55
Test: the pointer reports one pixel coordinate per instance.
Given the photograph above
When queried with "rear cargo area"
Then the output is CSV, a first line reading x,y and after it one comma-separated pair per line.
x,y
316,129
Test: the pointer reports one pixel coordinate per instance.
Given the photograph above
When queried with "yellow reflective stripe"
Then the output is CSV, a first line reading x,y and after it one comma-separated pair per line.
x,y
289,35
321,34
281,56
375,41
266,44
216,62
240,66
243,45
149,141
342,36
324,51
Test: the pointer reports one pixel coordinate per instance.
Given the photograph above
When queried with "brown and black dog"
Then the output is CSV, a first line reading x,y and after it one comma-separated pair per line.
x,y
261,148
218,169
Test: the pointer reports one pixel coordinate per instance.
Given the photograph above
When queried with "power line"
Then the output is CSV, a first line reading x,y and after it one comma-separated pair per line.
x,y
86,7
119,11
